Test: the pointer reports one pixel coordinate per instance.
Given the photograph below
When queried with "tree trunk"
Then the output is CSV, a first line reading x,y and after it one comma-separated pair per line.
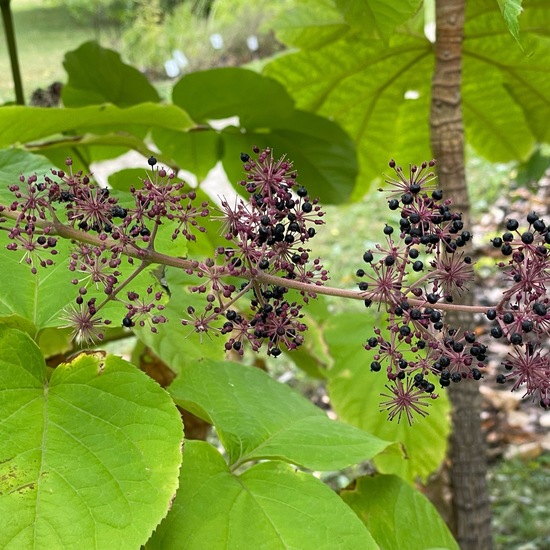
x,y
471,512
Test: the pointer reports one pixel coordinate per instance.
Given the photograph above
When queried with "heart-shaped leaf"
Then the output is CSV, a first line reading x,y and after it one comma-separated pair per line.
x,y
89,457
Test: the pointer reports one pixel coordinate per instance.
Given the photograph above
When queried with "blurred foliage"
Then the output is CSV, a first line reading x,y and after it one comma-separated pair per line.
x,y
113,12
155,36
520,491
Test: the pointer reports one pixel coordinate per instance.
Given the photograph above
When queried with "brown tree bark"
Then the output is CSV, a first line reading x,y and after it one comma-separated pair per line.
x,y
471,512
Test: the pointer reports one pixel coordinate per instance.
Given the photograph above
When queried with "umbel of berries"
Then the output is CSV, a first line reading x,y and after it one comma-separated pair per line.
x,y
111,241
522,318
267,235
419,267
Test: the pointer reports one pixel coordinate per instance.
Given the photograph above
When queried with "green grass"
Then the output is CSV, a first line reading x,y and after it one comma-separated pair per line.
x,y
43,34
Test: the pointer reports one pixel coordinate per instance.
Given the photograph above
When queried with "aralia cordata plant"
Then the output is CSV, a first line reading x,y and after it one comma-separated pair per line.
x,y
415,274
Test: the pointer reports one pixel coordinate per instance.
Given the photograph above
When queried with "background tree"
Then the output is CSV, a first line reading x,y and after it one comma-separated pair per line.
x,y
471,509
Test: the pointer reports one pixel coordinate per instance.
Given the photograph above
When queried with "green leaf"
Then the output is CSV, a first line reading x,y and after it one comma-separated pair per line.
x,y
14,163
123,180
270,506
257,418
98,75
89,458
313,356
310,24
93,147
511,10
195,151
397,515
54,341
498,129
17,322
377,18
532,170
322,153
355,396
23,124
38,298
221,93
363,84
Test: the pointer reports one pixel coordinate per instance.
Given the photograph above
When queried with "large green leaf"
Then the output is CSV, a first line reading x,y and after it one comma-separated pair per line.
x,y
523,78
89,458
14,163
322,152
498,127
98,75
270,506
361,84
38,298
23,124
257,418
397,515
220,93
96,147
355,396
365,86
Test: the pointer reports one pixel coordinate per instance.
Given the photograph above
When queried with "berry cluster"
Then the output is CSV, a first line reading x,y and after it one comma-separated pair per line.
x,y
267,235
256,285
523,315
71,205
420,267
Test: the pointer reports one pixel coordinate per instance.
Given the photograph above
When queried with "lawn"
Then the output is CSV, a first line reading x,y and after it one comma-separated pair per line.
x,y
43,33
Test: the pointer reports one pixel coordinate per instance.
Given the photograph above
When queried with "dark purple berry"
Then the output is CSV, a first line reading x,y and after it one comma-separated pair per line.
x,y
432,298
532,217
508,317
512,225
527,237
